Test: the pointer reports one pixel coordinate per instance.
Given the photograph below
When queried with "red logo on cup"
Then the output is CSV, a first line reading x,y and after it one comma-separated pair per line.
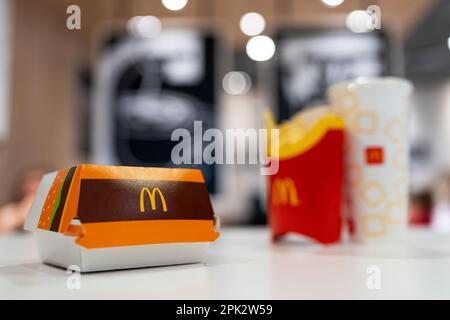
x,y
374,155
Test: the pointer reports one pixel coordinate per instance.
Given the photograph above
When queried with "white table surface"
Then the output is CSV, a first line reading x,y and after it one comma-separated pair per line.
x,y
244,264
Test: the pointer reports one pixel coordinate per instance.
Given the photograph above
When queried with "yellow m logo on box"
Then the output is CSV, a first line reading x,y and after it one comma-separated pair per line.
x,y
152,197
284,192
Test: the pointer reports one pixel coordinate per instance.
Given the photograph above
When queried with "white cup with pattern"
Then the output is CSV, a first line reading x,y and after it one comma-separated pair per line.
x,y
376,112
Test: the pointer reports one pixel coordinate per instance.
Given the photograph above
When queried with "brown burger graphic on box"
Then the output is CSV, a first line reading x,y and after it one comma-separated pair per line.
x,y
112,217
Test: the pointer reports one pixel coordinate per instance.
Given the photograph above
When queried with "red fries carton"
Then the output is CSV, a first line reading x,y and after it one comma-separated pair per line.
x,y
305,194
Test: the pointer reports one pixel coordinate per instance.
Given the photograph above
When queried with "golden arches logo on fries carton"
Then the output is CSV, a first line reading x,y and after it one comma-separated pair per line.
x,y
305,194
111,217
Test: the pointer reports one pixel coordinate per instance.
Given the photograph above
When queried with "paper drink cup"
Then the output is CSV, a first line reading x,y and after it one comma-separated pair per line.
x,y
376,162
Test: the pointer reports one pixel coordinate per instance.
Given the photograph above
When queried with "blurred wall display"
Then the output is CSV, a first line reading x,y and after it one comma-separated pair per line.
x,y
310,61
5,22
146,88
427,47
427,64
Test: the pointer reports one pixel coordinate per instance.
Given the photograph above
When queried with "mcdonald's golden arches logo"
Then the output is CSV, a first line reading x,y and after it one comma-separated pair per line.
x,y
374,155
152,197
284,192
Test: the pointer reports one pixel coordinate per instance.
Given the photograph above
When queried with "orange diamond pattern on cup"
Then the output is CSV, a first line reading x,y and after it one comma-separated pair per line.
x,y
348,103
374,225
373,194
365,122
395,130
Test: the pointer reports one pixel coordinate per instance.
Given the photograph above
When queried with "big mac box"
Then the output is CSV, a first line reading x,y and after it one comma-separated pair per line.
x,y
305,195
111,217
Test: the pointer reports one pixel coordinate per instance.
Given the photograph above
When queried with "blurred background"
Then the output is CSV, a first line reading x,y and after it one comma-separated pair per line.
x,y
113,90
